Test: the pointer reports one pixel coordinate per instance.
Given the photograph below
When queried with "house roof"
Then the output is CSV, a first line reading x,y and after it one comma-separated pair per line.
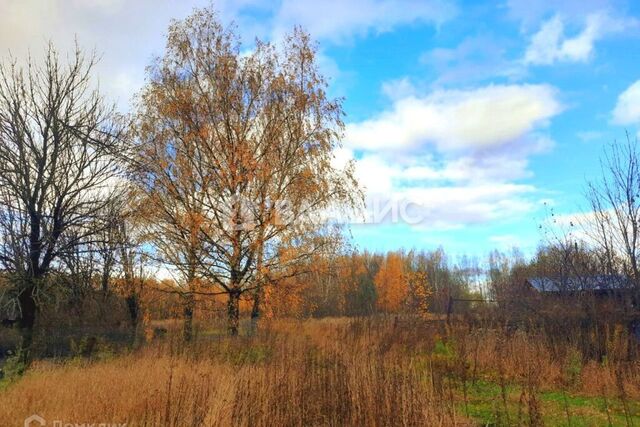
x,y
601,283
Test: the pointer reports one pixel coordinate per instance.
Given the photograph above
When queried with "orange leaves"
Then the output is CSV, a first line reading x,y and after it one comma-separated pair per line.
x,y
237,154
173,104
286,299
391,284
420,291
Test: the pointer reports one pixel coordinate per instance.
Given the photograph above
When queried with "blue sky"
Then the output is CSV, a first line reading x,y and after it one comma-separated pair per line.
x,y
478,116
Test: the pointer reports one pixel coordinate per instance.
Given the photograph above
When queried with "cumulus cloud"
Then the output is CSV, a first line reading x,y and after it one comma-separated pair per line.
x,y
457,119
550,44
426,192
627,109
453,157
449,207
445,194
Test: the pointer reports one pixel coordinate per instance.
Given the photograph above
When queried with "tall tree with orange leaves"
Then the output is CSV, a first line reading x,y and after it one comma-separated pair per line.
x,y
391,284
257,134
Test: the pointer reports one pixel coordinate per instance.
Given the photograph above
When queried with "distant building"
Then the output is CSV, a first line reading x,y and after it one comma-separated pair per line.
x,y
615,296
603,285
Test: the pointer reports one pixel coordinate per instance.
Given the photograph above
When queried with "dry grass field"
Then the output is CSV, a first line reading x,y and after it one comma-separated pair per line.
x,y
332,372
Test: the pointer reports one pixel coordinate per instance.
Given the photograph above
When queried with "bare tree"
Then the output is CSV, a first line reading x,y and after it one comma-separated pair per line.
x,y
121,259
58,166
614,224
565,256
132,257
108,245
255,135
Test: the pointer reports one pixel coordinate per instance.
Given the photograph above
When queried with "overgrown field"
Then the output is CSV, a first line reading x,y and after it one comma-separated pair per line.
x,y
333,372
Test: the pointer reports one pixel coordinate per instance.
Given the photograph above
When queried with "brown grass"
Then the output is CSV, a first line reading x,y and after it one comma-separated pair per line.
x,y
334,372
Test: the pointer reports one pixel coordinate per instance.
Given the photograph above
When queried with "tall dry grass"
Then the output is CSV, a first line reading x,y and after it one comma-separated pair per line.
x,y
315,373
333,372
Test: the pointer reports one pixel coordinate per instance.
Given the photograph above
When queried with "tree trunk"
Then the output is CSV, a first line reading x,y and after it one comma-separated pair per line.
x,y
233,312
26,323
255,310
258,294
104,281
189,306
134,310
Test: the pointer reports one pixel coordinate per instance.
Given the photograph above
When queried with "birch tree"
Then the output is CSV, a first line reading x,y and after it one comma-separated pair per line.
x,y
262,131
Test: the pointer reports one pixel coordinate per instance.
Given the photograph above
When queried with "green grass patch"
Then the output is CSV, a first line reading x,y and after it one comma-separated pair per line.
x,y
486,405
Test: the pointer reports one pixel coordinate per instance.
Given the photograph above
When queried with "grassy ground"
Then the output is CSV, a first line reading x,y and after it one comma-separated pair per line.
x,y
486,406
330,372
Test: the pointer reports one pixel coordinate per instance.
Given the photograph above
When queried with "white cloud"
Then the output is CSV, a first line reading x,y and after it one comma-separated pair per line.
x,y
125,35
450,192
550,44
339,20
427,193
454,156
583,226
457,119
472,203
627,109
376,174
450,206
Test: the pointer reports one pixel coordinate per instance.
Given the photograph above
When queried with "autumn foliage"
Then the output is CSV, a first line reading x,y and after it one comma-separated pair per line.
x,y
420,291
391,284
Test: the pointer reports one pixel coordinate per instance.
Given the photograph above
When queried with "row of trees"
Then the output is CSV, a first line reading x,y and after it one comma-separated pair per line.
x,y
340,282
220,176
356,283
